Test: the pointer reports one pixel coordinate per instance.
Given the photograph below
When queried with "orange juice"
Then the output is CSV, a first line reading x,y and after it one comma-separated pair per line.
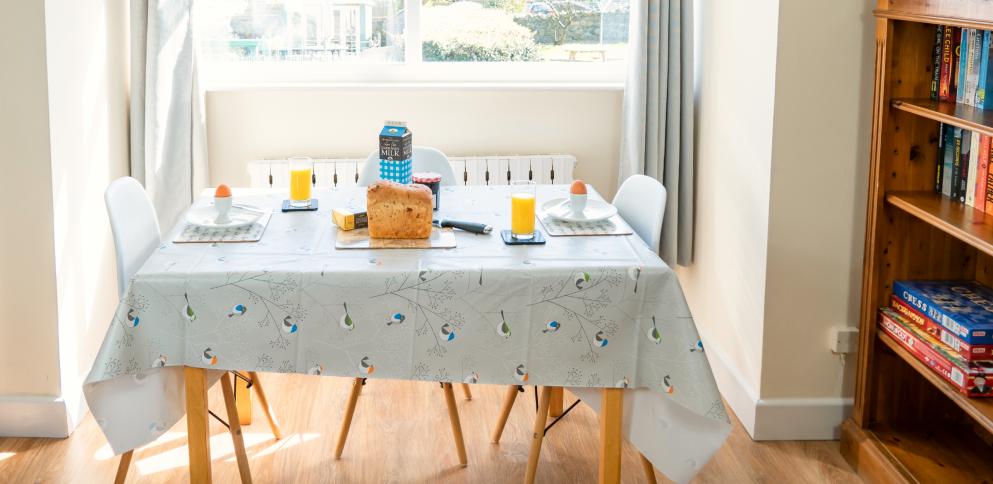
x,y
522,214
300,185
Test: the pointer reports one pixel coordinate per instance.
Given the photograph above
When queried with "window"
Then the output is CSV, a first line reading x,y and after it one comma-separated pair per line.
x,y
308,41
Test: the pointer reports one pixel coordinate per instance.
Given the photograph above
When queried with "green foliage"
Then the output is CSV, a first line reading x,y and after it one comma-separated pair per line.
x,y
466,31
576,27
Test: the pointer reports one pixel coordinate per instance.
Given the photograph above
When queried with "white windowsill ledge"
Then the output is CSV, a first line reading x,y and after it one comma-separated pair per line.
x,y
421,85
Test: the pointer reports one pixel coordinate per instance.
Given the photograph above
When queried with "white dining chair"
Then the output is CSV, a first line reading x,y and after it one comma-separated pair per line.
x,y
135,228
640,201
425,158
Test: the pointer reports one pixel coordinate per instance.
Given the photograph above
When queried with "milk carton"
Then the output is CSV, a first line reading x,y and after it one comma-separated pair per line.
x,y
395,152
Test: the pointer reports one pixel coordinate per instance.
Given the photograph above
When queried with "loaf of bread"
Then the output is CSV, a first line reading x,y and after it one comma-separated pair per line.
x,y
399,211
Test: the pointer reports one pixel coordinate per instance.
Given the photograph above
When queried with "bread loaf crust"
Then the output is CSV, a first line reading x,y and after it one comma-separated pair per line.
x,y
399,211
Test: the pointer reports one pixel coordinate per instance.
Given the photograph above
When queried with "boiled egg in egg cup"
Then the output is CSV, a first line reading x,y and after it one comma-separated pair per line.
x,y
577,198
222,202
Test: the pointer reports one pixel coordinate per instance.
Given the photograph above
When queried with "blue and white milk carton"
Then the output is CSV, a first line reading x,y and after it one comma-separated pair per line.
x,y
396,151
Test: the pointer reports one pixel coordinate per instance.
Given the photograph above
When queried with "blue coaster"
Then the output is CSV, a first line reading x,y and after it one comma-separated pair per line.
x,y
289,208
509,239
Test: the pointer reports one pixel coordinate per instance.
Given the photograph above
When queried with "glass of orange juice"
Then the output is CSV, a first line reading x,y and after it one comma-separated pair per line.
x,y
522,200
301,174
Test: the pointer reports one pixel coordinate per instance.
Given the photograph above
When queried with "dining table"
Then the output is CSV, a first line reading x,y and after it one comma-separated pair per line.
x,y
601,315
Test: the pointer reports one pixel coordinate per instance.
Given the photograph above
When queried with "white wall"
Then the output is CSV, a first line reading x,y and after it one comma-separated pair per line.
x,y
725,286
783,147
247,124
63,128
28,319
88,74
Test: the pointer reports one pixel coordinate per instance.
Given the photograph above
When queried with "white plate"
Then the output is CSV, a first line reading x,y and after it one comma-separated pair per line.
x,y
596,210
206,217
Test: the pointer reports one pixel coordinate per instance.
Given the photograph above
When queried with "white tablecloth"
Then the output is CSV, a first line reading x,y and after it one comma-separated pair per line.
x,y
587,312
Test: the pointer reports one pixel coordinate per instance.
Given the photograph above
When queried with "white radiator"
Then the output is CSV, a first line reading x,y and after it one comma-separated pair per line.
x,y
470,170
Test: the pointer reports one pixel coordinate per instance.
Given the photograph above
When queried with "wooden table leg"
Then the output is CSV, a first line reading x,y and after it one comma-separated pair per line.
x,y
649,469
243,397
346,421
198,433
467,391
555,404
234,426
123,466
453,416
611,410
538,434
508,405
264,402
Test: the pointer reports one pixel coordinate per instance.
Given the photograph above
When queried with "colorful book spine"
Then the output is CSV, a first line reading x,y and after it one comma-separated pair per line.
x,y
939,34
970,379
948,164
972,158
967,351
961,55
973,55
946,88
984,68
963,307
956,60
940,159
957,164
989,183
982,171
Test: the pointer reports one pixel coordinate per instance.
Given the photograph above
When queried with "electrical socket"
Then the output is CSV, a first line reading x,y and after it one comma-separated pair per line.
x,y
844,340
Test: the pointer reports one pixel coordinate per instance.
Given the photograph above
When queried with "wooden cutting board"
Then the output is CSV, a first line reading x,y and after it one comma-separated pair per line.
x,y
359,239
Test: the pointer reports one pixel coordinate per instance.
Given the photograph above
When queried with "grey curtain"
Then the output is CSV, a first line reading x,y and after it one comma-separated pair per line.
x,y
657,130
168,134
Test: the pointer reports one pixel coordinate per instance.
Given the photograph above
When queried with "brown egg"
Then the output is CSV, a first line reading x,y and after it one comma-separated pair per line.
x,y
578,188
223,191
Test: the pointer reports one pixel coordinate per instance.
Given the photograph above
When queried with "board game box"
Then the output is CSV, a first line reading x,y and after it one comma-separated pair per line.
x,y
973,379
967,351
965,308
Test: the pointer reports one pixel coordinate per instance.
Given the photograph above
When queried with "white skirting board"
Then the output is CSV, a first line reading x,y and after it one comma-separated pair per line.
x,y
777,418
41,415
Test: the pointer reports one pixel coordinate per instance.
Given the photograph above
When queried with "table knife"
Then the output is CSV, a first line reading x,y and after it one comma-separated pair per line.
x,y
474,227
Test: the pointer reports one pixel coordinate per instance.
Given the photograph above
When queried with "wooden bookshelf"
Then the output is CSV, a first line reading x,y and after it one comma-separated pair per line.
x,y
908,424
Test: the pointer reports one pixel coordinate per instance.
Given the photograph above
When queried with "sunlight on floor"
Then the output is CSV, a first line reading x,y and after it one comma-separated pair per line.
x,y
7,455
221,448
104,452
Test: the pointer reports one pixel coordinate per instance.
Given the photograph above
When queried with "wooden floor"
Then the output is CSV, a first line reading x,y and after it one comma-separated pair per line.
x,y
400,434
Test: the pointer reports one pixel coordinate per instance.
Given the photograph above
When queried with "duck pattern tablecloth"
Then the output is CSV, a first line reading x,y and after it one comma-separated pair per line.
x,y
588,312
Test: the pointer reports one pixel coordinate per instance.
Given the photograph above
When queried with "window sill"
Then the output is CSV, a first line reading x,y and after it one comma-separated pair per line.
x,y
420,85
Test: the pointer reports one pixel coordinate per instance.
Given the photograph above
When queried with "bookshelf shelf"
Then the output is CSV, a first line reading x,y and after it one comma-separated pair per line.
x,y
908,425
981,409
932,19
961,115
952,217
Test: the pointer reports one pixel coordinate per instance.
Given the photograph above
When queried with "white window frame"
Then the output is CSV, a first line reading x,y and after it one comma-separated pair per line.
x,y
413,70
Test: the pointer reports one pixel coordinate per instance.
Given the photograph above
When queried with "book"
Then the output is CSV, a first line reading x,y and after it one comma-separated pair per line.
x,y
956,162
982,171
984,70
956,60
939,34
971,59
965,308
973,379
961,56
989,183
946,86
940,159
964,154
948,161
972,158
967,351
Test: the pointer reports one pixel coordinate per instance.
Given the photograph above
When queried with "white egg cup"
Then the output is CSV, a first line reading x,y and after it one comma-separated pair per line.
x,y
223,206
577,203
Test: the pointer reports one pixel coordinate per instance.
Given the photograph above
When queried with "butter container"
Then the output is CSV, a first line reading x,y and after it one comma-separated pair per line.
x,y
346,219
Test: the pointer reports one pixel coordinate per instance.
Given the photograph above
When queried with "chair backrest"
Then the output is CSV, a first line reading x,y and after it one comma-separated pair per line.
x,y
641,203
425,159
134,224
